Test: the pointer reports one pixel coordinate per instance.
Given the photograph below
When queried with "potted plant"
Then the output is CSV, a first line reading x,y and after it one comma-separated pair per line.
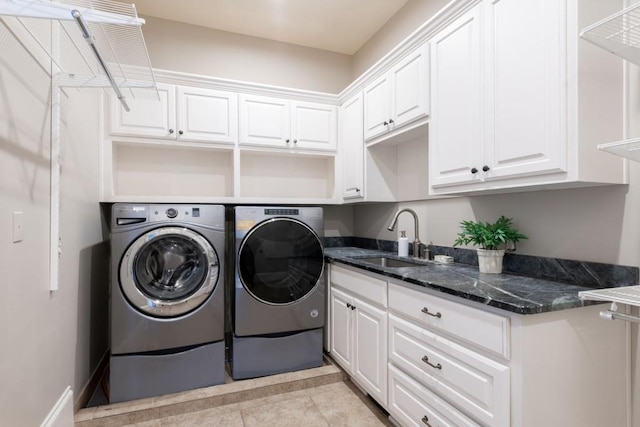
x,y
491,239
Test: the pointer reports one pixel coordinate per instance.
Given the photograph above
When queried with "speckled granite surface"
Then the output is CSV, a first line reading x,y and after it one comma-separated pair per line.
x,y
510,292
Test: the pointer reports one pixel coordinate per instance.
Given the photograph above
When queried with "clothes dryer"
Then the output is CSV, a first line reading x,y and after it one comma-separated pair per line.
x,y
167,299
279,290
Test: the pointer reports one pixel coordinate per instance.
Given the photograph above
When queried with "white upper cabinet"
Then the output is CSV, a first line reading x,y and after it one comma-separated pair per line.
x,y
148,116
352,146
182,113
277,122
515,103
314,125
398,97
264,121
206,115
525,88
455,127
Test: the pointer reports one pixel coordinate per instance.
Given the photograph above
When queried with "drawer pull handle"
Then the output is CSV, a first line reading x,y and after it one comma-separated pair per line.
x,y
425,359
425,420
425,310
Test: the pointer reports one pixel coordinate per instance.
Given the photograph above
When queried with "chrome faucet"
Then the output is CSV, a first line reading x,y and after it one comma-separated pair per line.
x,y
416,240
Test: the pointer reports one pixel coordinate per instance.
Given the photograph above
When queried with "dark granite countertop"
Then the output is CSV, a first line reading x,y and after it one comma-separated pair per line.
x,y
510,292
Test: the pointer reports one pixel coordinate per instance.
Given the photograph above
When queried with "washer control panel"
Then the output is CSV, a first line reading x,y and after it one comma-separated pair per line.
x,y
172,213
127,215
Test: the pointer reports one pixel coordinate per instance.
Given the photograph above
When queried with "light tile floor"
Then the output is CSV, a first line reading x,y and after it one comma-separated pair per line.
x,y
336,404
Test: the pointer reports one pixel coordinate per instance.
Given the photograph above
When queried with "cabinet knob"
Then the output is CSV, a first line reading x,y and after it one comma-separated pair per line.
x,y
180,132
425,420
425,310
474,170
485,168
286,140
385,123
357,190
171,131
425,359
390,121
353,307
295,141
348,305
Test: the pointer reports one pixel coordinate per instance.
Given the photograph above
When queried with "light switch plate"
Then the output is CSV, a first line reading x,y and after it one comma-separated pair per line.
x,y
17,227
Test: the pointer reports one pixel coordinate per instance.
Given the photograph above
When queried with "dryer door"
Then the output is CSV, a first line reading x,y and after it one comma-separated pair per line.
x,y
169,271
280,261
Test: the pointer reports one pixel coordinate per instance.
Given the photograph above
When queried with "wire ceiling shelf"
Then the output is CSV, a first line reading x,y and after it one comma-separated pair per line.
x,y
620,35
101,42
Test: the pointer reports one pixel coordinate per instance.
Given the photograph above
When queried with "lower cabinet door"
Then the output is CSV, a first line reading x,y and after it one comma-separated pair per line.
x,y
370,335
414,405
341,327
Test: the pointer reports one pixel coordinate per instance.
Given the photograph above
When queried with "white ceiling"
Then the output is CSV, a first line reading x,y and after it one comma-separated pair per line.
x,y
336,25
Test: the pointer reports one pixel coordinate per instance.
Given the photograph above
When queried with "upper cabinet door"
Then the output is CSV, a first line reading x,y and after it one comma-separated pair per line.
x,y
352,149
399,96
314,125
207,115
455,131
265,121
148,115
525,87
377,111
410,87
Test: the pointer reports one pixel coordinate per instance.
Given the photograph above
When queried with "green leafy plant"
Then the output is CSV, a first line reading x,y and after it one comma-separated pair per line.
x,y
487,235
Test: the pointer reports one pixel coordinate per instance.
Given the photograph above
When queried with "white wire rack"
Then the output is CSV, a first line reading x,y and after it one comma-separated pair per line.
x,y
101,42
619,33
624,295
629,148
629,295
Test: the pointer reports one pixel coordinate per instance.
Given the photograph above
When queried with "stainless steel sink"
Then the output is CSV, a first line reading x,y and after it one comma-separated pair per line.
x,y
389,262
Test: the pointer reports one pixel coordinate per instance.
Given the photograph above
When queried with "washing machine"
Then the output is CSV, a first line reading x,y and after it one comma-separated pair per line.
x,y
278,309
167,299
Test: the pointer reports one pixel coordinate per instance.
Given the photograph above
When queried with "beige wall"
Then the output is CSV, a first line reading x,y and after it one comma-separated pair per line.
x,y
50,340
198,50
399,27
590,224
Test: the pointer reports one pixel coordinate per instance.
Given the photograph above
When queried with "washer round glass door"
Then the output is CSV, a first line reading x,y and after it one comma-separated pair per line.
x,y
280,261
169,271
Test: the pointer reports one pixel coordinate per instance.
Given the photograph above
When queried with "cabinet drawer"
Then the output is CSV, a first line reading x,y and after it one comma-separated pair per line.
x,y
414,405
477,385
486,330
367,287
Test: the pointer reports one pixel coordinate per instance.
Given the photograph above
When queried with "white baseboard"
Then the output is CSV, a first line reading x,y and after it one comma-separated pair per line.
x,y
61,415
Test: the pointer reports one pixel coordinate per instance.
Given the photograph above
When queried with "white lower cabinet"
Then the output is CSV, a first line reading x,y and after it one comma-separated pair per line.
x,y
412,404
476,384
432,359
358,330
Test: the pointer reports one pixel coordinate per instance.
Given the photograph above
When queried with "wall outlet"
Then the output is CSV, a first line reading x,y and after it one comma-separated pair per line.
x,y
17,227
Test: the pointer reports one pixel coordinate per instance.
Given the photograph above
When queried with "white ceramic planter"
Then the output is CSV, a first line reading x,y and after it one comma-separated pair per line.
x,y
490,261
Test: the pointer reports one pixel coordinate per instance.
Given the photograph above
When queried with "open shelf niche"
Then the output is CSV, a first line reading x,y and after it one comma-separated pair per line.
x,y
265,174
156,170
